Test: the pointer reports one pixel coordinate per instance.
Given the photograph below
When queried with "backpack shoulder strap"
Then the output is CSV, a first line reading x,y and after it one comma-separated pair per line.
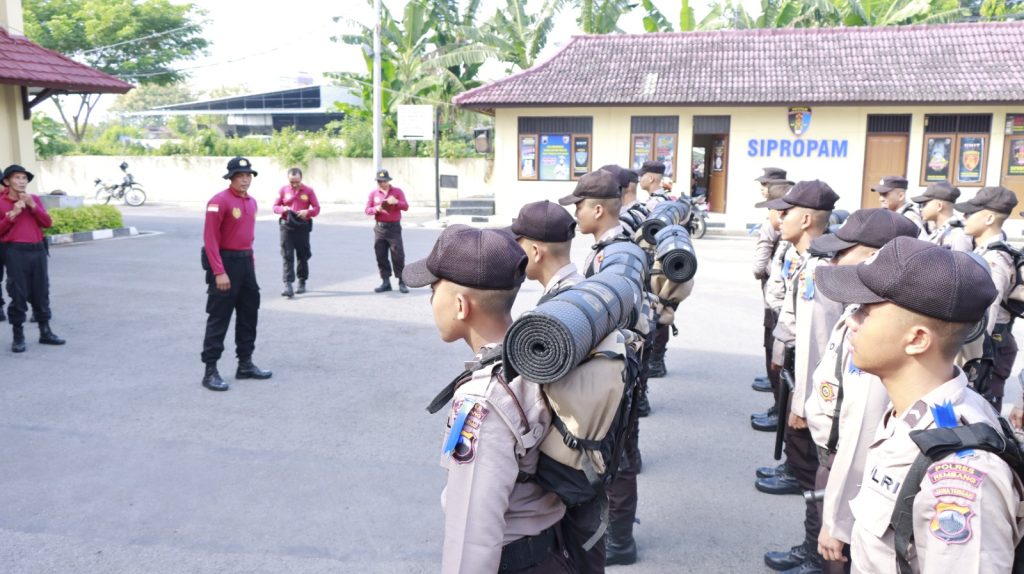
x,y
833,433
936,444
492,356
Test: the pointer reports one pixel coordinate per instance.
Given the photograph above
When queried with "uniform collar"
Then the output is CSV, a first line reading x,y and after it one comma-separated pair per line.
x,y
919,415
562,273
613,232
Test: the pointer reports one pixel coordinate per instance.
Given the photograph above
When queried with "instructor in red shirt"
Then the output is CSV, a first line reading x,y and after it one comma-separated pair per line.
x,y
386,204
22,221
297,205
231,276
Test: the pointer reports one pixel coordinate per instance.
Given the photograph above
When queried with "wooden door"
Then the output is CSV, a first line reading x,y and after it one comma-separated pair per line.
x,y
718,170
886,154
1012,175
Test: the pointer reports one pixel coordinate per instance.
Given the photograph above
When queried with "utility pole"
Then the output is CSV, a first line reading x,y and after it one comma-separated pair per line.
x,y
376,87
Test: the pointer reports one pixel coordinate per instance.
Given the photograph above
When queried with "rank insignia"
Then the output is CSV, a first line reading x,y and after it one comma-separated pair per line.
x,y
304,197
236,213
951,523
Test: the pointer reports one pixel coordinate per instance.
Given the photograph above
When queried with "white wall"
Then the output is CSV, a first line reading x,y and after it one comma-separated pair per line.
x,y
611,144
188,179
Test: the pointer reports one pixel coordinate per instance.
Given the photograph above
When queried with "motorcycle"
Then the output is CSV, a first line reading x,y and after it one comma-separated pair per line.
x,y
698,224
129,190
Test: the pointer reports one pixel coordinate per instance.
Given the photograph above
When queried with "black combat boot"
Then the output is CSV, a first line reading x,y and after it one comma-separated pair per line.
x,y
212,380
656,367
3,316
786,560
46,336
643,406
385,286
402,287
302,287
18,346
620,547
288,291
247,370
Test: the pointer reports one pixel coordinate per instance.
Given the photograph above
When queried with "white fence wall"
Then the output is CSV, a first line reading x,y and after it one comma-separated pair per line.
x,y
191,179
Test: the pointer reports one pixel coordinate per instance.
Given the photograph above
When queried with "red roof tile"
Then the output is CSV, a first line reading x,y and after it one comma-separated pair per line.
x,y
954,63
24,63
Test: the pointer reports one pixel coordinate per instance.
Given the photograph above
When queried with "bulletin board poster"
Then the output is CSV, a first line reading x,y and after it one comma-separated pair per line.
x,y
528,157
642,147
1014,124
718,156
665,150
1015,163
972,151
555,160
937,161
580,156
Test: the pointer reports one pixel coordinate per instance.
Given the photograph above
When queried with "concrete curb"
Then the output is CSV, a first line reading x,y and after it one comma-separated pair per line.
x,y
83,236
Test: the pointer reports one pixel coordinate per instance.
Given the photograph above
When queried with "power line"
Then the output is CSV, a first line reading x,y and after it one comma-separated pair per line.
x,y
134,40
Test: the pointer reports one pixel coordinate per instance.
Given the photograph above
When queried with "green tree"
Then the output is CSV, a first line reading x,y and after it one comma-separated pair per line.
x,y
518,36
601,16
48,137
899,12
136,40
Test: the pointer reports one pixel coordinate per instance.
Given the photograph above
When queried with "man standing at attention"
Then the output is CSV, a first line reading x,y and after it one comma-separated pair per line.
x,y
231,276
386,204
297,205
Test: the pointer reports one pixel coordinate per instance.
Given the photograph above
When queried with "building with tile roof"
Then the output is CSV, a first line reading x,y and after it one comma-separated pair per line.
x,y
845,105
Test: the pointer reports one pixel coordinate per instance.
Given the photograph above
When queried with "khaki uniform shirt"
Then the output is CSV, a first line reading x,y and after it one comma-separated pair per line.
x,y
485,507
909,210
865,402
767,241
951,236
965,516
775,288
806,319
565,277
1000,264
594,258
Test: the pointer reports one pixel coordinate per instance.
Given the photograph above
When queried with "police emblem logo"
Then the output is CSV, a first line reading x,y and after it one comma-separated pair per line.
x,y
382,174
799,120
243,163
827,391
236,213
881,181
951,523
465,448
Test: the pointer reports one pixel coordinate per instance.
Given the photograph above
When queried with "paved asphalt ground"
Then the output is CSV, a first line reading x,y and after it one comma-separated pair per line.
x,y
113,458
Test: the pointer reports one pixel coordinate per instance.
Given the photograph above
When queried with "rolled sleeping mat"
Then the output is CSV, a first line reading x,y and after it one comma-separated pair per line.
x,y
544,344
630,256
664,214
676,254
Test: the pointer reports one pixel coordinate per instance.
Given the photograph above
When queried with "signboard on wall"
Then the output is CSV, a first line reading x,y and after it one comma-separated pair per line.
x,y
528,156
938,151
799,120
1014,124
665,151
580,156
1015,163
972,150
797,148
642,149
554,157
415,122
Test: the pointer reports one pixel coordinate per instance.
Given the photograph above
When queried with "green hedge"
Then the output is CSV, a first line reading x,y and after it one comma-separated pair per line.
x,y
89,218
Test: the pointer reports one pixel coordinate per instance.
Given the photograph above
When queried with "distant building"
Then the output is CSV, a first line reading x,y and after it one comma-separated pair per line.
x,y
844,105
305,109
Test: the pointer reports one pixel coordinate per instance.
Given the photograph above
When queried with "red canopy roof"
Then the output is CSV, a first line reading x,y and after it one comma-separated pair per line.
x,y
24,63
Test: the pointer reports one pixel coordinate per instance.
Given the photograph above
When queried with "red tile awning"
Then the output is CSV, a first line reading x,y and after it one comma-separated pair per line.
x,y
24,63
29,65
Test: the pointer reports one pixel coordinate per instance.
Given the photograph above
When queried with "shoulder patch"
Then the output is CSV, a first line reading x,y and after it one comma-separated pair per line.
x,y
468,416
951,523
214,207
827,391
943,471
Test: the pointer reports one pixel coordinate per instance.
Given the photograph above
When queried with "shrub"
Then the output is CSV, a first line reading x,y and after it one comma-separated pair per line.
x,y
89,218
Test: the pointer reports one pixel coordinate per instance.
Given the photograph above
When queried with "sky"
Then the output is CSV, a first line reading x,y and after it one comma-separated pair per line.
x,y
270,49
264,46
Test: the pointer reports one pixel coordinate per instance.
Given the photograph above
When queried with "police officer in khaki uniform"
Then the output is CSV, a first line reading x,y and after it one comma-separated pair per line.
x,y
892,194
985,214
805,322
918,302
496,517
545,230
764,250
860,237
942,226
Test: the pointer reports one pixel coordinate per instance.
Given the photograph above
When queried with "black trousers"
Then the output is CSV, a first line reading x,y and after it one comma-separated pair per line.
x,y
28,281
295,244
1,277
578,525
821,480
242,300
622,492
387,237
1005,349
661,336
802,460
